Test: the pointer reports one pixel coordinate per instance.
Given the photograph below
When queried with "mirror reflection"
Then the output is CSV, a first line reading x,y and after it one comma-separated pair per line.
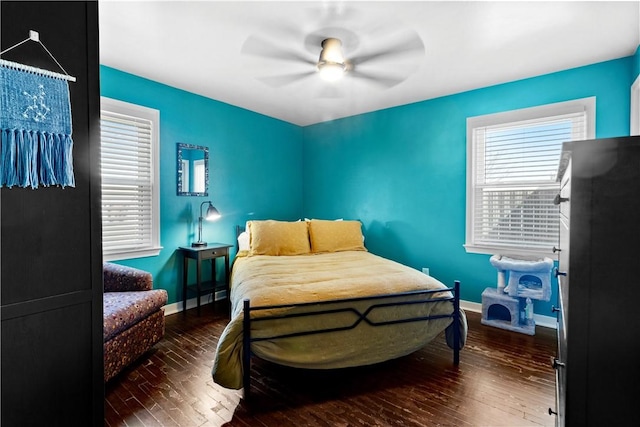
x,y
193,170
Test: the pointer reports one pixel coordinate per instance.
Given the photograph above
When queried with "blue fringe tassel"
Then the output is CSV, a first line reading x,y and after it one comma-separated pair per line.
x,y
30,159
35,124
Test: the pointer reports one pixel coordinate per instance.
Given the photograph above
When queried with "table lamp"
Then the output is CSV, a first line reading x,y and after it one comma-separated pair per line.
x,y
212,215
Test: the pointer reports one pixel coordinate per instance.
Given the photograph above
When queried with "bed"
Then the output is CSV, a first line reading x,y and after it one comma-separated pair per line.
x,y
308,294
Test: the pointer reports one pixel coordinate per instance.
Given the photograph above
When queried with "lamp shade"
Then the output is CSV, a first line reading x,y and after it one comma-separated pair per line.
x,y
212,213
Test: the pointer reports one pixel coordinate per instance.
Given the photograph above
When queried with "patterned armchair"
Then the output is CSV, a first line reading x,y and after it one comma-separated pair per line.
x,y
133,316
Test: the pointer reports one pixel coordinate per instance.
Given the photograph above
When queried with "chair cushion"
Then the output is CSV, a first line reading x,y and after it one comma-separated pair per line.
x,y
124,309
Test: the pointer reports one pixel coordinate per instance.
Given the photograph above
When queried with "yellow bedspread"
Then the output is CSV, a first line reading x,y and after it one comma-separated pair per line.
x,y
273,280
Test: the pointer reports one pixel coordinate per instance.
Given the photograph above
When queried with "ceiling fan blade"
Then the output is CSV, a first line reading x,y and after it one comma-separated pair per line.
x,y
377,78
410,43
285,79
259,46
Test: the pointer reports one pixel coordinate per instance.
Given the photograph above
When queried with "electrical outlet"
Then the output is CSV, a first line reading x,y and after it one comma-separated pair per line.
x,y
425,270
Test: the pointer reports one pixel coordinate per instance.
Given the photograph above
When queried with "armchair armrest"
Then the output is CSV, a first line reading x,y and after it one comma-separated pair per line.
x,y
120,278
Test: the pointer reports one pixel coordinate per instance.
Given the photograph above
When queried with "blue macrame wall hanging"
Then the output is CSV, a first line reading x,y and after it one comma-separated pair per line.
x,y
35,125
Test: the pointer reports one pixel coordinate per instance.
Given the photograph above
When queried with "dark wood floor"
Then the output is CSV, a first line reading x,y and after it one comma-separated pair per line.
x,y
504,379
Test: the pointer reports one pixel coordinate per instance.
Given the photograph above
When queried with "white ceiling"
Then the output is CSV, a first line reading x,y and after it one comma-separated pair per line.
x,y
196,46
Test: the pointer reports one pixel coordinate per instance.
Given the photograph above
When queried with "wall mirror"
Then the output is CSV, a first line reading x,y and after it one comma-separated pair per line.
x,y
193,170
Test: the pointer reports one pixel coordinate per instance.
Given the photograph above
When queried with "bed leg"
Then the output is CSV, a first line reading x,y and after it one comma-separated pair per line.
x,y
456,322
246,350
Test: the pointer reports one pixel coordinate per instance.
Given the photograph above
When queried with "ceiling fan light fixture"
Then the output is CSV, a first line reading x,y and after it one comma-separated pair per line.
x,y
331,64
331,71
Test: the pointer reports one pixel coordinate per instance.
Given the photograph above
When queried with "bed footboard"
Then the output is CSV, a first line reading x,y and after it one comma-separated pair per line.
x,y
377,302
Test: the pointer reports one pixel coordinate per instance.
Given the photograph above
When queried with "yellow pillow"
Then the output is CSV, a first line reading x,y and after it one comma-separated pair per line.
x,y
272,237
335,236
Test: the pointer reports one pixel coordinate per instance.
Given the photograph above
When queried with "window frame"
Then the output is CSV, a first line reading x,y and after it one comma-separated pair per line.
x,y
635,107
153,247
586,105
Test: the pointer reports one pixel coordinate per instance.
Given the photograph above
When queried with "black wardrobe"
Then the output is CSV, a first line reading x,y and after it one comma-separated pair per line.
x,y
51,261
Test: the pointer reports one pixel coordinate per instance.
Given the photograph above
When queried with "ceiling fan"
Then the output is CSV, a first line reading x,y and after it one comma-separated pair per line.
x,y
331,64
383,56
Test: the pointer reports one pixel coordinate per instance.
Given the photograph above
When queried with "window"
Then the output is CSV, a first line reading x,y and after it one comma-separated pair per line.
x,y
129,137
512,161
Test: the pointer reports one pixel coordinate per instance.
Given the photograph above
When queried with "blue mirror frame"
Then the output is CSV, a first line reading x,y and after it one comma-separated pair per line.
x,y
192,170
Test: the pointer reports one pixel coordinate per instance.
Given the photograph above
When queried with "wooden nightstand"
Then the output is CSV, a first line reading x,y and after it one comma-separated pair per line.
x,y
212,252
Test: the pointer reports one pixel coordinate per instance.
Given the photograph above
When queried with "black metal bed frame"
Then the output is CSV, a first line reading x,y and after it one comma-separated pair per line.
x,y
247,309
361,316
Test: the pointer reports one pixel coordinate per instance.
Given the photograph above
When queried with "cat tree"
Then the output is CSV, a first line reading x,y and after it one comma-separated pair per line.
x,y
510,305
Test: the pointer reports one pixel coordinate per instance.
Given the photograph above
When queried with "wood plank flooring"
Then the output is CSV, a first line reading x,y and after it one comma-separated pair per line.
x,y
504,379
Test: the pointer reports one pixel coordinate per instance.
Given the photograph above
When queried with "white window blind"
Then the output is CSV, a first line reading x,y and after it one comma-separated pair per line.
x,y
513,180
129,180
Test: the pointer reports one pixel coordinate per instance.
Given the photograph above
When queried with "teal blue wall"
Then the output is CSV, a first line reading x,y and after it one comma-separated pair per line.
x,y
402,171
255,167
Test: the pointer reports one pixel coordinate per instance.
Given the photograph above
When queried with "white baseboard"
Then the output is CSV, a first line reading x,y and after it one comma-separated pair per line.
x,y
176,307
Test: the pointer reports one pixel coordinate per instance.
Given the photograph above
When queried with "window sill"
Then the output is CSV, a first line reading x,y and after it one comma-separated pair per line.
x,y
142,253
509,251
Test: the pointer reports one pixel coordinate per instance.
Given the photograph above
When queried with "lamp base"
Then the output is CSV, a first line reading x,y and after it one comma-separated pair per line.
x,y
198,244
